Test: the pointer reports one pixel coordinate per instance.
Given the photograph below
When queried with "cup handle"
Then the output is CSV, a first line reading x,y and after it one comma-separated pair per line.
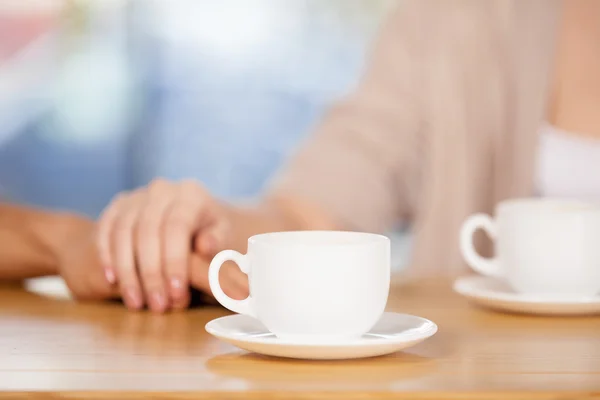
x,y
237,306
483,265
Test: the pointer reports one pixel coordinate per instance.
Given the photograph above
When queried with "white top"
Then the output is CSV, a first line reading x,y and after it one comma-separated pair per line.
x,y
568,165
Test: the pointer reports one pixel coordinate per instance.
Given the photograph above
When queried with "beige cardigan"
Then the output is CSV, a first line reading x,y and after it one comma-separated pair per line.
x,y
442,125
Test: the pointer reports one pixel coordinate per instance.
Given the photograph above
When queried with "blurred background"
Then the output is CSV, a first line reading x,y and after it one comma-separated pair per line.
x,y
100,96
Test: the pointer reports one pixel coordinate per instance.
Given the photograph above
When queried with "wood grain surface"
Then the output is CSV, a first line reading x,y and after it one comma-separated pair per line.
x,y
57,349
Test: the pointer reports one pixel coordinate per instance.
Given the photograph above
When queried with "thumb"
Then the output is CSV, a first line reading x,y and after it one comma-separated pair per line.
x,y
213,238
233,282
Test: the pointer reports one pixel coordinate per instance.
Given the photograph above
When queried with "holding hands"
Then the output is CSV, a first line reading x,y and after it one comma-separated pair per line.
x,y
156,241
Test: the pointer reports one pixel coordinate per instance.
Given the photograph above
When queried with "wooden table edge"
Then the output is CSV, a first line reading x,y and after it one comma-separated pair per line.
x,y
293,395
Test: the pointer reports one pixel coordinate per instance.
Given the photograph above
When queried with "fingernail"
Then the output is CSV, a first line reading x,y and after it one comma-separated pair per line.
x,y
177,287
176,283
110,275
133,298
158,302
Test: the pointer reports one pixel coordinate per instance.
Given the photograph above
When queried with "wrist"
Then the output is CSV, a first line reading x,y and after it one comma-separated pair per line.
x,y
56,231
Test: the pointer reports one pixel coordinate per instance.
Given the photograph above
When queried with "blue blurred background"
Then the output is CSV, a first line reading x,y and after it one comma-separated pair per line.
x,y
100,96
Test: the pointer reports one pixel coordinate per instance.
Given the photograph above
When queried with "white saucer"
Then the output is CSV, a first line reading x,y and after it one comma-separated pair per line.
x,y
495,294
392,333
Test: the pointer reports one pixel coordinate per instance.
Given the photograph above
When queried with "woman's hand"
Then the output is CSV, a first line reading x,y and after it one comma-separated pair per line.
x,y
146,238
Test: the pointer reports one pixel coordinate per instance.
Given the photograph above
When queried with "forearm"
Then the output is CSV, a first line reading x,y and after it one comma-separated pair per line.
x,y
29,241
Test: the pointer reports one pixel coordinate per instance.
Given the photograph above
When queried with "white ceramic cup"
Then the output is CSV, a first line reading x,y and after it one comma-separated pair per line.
x,y
311,286
542,246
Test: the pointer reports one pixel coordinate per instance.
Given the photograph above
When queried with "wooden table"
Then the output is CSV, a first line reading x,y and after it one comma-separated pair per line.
x,y
60,349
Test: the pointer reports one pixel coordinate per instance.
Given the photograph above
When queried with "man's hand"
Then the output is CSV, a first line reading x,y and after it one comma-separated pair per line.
x,y
41,243
233,281
79,262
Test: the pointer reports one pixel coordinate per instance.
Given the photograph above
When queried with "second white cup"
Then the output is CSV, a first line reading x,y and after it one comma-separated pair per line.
x,y
543,246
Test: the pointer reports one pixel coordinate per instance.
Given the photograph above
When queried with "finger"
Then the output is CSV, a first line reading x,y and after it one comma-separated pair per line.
x,y
199,273
104,289
182,302
106,224
207,227
213,237
148,244
198,279
176,238
234,281
122,240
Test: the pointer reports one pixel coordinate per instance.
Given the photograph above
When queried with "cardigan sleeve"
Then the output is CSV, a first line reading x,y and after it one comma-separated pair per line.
x,y
355,166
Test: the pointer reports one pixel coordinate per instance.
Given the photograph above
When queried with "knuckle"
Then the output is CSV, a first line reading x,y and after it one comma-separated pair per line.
x,y
191,187
109,212
123,205
158,186
149,222
120,198
124,226
189,183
